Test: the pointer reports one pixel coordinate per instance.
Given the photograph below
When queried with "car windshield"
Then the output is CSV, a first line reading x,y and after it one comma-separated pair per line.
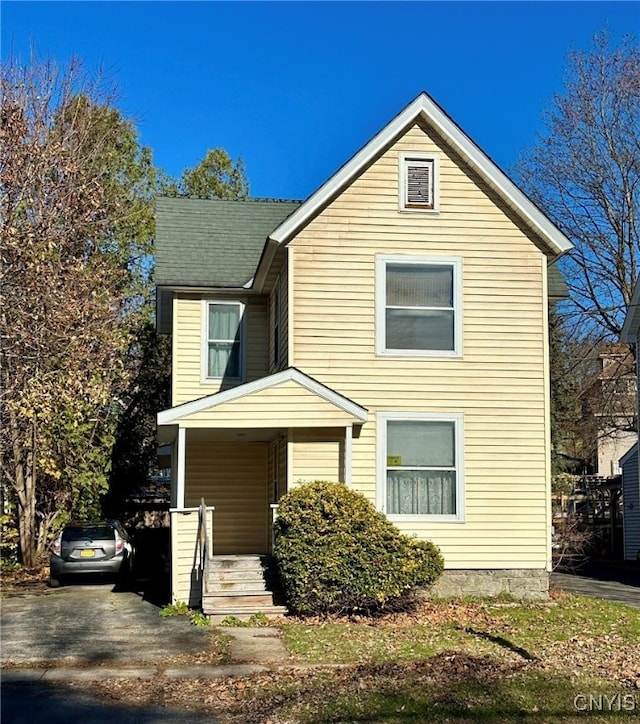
x,y
93,532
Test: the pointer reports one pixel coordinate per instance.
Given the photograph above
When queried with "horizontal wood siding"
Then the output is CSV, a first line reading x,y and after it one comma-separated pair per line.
x,y
232,477
318,455
185,575
631,502
499,382
187,379
284,405
282,275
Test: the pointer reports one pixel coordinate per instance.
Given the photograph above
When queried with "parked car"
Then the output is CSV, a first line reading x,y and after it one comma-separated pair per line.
x,y
103,547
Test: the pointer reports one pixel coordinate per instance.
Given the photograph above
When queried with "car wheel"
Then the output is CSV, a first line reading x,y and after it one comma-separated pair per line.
x,y
54,582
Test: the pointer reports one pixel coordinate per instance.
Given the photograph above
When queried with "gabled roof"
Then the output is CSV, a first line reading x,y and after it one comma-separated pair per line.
x,y
425,109
181,413
213,242
632,321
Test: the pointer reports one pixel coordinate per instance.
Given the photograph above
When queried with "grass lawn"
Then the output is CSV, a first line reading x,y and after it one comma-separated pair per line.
x,y
571,659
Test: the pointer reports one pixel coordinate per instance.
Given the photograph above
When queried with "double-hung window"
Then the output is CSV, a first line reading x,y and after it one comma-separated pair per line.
x,y
224,340
421,465
418,306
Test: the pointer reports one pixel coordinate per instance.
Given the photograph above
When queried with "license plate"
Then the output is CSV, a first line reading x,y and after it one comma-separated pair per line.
x,y
87,553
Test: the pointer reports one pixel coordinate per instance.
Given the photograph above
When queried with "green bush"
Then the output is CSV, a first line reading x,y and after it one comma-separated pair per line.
x,y
337,554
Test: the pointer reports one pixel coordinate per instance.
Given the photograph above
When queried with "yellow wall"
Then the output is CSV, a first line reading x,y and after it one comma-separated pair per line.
x,y
232,477
186,583
317,455
187,364
498,384
284,405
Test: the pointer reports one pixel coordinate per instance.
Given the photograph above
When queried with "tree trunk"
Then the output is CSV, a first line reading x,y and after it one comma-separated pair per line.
x,y
24,485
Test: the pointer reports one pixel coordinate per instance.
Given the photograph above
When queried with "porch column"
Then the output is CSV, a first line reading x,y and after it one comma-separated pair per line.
x,y
181,454
348,453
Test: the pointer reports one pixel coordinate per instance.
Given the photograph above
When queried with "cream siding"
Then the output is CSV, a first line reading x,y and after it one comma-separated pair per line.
x,y
282,279
317,455
281,406
188,340
186,583
232,477
499,383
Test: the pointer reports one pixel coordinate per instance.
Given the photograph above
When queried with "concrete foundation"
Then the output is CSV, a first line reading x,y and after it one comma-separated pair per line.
x,y
524,583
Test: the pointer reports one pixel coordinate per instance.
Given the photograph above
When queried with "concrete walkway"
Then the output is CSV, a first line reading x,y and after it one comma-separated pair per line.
x,y
608,590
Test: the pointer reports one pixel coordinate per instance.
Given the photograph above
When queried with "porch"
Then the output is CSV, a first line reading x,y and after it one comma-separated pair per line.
x,y
239,451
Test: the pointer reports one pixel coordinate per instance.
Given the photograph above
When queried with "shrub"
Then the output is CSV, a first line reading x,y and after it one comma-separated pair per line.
x,y
337,554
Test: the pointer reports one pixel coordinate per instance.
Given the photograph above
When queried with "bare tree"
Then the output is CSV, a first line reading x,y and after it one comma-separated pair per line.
x,y
585,173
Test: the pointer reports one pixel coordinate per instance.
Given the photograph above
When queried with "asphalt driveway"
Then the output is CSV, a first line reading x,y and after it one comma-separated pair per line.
x,y
611,590
92,624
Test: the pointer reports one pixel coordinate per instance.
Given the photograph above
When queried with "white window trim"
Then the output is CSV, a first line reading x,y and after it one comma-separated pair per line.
x,y
381,304
381,463
403,159
204,343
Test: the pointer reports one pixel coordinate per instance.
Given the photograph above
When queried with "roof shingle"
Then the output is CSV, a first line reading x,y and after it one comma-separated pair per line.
x,y
213,242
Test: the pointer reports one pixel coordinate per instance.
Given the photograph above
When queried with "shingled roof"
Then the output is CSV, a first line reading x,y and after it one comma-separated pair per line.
x,y
213,242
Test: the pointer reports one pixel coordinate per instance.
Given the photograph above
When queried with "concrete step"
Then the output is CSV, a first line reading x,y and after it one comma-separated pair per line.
x,y
215,587
253,602
244,613
243,574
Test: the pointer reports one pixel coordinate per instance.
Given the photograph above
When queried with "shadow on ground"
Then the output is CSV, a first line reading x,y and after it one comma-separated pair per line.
x,y
60,704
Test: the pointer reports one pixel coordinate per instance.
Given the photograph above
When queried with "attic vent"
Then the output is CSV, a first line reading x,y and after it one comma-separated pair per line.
x,y
419,183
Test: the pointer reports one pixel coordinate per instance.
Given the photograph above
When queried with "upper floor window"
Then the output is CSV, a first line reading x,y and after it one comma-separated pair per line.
x,y
419,182
418,305
224,340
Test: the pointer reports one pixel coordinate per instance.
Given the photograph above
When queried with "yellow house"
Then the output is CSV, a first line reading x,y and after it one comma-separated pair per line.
x,y
389,333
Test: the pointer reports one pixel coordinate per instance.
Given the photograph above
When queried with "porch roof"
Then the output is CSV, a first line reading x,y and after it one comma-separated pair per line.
x,y
286,399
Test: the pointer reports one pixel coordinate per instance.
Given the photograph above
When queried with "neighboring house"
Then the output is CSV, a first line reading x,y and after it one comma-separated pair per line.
x,y
389,333
613,404
630,462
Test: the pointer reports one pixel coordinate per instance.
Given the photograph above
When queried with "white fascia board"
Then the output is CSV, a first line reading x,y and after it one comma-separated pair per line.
x,y
174,414
424,107
632,320
264,265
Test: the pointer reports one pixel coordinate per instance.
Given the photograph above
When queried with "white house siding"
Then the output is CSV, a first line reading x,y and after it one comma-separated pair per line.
x,y
500,382
631,503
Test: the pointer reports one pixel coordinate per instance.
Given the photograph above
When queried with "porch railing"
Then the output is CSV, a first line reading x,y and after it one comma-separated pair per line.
x,y
274,516
205,542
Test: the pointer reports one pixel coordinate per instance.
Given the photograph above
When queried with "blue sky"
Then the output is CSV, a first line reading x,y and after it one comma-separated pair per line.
x,y
297,88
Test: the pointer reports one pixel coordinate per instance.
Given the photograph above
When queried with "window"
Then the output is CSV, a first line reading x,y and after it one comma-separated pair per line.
x,y
421,465
276,323
224,342
419,181
418,306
